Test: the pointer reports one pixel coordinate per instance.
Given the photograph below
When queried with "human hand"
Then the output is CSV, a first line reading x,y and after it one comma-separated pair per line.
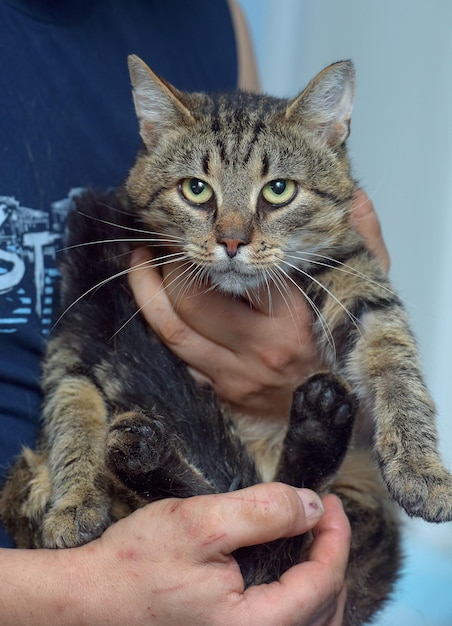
x,y
365,219
254,358
170,562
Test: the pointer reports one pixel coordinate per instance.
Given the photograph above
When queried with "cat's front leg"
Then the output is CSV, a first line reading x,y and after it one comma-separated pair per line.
x,y
384,366
74,424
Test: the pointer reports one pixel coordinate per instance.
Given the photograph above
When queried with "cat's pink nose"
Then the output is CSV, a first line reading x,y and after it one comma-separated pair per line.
x,y
232,245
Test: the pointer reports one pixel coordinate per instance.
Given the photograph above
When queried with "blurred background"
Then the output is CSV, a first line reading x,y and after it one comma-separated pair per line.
x,y
401,150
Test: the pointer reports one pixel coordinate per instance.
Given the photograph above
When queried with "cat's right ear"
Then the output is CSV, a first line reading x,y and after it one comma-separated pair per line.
x,y
157,103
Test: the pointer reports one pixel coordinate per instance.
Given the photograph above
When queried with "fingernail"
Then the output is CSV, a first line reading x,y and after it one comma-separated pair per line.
x,y
312,504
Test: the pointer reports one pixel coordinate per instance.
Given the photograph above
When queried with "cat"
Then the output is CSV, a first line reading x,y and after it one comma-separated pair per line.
x,y
245,190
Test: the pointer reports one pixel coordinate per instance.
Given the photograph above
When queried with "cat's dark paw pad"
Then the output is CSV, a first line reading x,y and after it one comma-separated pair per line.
x,y
135,443
422,489
71,526
322,403
319,432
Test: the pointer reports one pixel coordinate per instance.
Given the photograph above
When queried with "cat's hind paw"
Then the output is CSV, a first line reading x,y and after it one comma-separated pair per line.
x,y
149,459
320,428
136,446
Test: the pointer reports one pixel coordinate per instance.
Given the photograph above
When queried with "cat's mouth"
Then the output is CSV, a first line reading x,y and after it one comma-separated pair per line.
x,y
234,281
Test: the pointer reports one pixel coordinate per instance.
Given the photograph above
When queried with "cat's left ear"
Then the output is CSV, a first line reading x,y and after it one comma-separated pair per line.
x,y
157,103
325,106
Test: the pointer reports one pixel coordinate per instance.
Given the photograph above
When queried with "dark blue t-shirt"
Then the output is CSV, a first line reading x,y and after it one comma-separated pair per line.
x,y
67,122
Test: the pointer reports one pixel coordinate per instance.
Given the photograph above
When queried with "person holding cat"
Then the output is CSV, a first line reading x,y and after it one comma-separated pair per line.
x,y
252,364
160,565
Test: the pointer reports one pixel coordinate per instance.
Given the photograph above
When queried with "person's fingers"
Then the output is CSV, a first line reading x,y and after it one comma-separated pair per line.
x,y
204,309
152,300
314,590
338,610
159,305
332,535
205,335
302,602
366,221
252,361
220,524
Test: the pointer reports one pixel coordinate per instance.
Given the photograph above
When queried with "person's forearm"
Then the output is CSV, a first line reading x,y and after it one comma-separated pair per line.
x,y
40,587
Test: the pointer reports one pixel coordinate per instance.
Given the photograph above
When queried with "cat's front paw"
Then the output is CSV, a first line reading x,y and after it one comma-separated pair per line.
x,y
70,525
420,484
320,428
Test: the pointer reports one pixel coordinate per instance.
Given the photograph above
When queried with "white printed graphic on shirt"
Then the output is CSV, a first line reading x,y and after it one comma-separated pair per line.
x,y
29,240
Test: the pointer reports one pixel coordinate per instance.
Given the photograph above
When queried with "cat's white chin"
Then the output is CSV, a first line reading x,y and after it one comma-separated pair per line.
x,y
235,284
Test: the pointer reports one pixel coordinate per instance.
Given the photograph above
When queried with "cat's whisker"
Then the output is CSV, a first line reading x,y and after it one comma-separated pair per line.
x,y
195,270
194,280
282,287
287,296
186,280
202,278
144,240
165,259
162,289
182,282
129,228
252,297
87,292
371,194
270,299
131,317
152,263
156,262
337,265
200,281
355,321
323,323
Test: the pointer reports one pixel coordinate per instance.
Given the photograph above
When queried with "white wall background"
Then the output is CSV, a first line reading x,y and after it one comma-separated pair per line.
x,y
401,148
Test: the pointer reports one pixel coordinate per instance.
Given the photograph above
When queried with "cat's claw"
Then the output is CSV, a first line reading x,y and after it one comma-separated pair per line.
x,y
148,459
421,492
136,444
72,526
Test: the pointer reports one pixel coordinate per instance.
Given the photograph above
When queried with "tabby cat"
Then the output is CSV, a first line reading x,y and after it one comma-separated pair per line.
x,y
244,190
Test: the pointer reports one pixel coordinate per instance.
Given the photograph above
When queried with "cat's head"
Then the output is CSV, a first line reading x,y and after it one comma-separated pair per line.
x,y
246,186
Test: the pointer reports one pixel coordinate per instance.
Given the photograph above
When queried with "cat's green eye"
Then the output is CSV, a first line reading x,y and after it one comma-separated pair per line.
x,y
279,191
196,191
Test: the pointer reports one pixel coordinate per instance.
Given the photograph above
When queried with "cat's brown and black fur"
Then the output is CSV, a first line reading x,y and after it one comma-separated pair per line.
x,y
244,190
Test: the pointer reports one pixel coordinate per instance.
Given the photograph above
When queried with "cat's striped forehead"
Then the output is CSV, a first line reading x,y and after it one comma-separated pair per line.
x,y
235,126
